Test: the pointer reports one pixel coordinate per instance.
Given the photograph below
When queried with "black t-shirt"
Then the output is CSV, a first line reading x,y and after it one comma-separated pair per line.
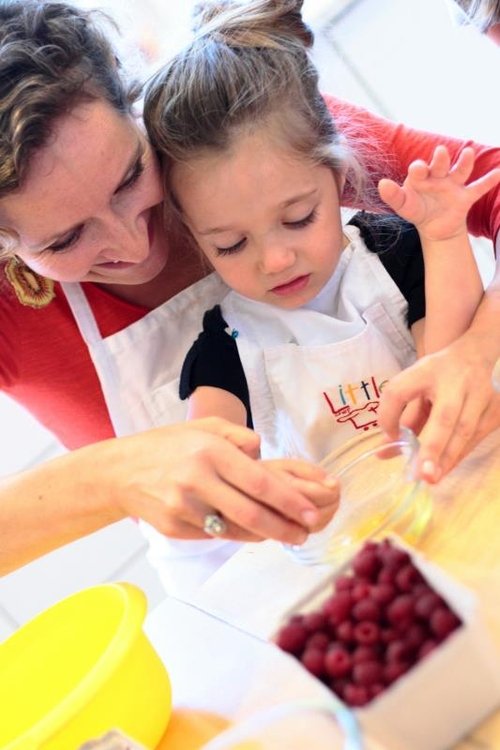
x,y
213,360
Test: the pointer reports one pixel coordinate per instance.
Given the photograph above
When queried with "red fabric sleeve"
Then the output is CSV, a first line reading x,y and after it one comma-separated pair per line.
x,y
390,148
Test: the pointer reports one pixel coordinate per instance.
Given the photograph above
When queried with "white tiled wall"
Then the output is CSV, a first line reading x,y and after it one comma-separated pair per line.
x,y
402,59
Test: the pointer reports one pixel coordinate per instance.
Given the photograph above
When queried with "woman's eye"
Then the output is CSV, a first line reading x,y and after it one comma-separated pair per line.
x,y
232,249
302,222
66,243
134,176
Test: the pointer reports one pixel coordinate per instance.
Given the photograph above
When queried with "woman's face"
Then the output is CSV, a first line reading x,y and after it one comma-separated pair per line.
x,y
88,209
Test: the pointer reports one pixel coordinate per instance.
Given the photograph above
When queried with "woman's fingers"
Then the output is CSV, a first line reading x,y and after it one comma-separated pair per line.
x,y
455,384
246,440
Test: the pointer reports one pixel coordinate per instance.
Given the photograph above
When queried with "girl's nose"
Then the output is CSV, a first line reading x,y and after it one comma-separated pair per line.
x,y
276,259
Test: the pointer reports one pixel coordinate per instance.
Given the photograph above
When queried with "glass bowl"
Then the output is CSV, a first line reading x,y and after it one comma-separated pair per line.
x,y
378,493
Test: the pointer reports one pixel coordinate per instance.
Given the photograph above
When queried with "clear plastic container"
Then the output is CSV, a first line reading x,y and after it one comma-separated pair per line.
x,y
379,493
322,725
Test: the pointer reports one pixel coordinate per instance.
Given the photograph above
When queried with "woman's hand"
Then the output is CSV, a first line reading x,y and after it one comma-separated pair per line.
x,y
457,404
173,476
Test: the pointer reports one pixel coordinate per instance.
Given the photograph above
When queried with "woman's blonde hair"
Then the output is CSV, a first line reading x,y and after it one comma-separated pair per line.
x,y
247,65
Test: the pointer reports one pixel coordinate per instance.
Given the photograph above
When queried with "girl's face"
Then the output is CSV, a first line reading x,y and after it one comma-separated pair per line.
x,y
86,210
267,220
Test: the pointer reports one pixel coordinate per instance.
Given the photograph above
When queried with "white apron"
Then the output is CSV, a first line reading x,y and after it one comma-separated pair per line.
x,y
139,369
315,374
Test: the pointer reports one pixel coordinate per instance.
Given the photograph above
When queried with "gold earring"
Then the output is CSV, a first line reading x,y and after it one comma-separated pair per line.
x,y
31,289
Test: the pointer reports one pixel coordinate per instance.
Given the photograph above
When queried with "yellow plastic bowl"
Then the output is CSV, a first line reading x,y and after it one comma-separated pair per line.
x,y
81,668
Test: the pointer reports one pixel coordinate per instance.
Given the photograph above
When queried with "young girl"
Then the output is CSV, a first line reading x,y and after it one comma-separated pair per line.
x,y
319,315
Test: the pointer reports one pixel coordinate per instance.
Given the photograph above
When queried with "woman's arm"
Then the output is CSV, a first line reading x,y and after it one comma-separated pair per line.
x,y
171,477
390,148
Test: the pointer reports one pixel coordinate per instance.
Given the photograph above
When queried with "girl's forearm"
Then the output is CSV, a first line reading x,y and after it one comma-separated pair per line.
x,y
453,290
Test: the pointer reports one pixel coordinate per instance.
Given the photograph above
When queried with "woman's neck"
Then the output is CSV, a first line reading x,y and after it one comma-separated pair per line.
x,y
183,268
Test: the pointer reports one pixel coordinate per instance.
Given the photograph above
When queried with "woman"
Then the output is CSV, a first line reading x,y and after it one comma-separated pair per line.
x,y
80,201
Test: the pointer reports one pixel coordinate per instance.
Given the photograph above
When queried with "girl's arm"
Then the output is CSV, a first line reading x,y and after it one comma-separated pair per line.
x,y
436,199
207,401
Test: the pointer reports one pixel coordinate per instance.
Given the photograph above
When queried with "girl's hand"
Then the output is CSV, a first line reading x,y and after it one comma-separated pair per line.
x,y
435,196
312,481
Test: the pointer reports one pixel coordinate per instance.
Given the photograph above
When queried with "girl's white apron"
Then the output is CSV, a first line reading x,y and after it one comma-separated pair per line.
x,y
315,374
139,369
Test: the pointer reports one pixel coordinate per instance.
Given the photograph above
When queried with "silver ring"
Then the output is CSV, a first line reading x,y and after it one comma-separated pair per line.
x,y
214,524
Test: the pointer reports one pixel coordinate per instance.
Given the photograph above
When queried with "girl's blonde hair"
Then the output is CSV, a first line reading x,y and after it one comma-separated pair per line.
x,y
248,65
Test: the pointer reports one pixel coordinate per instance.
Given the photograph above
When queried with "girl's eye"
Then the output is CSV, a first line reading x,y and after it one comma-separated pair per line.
x,y
233,249
134,176
302,222
66,243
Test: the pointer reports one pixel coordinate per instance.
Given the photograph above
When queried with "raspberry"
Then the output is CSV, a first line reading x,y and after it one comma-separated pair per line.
x,y
392,557
338,607
397,651
345,632
400,610
376,689
415,636
338,662
338,684
393,670
313,660
344,583
383,593
443,622
367,609
426,604
292,637
355,695
387,635
314,621
386,575
426,648
360,591
366,633
407,577
318,640
367,673
364,653
366,564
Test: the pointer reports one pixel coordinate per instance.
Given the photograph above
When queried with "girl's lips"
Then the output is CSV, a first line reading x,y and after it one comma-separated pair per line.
x,y
295,285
